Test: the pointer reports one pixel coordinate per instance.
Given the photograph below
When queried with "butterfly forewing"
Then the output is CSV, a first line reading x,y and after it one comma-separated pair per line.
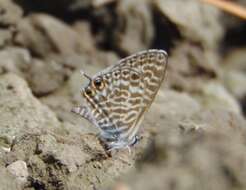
x,y
152,67
129,89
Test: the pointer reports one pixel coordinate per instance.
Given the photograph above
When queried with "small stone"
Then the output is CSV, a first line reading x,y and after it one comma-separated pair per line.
x,y
42,71
215,95
121,186
135,30
235,82
196,21
19,170
10,15
14,60
51,40
5,149
7,181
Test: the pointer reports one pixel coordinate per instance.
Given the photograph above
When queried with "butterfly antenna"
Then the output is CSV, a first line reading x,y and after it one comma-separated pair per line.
x,y
84,74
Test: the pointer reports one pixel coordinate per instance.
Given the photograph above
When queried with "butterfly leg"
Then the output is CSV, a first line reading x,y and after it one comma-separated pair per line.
x,y
119,145
129,149
118,148
135,140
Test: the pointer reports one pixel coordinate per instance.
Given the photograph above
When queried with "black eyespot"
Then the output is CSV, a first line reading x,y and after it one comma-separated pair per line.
x,y
142,57
125,73
135,76
152,56
88,92
98,83
116,74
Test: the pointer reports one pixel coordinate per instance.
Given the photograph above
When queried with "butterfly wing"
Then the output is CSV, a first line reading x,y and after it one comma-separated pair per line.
x,y
130,87
151,66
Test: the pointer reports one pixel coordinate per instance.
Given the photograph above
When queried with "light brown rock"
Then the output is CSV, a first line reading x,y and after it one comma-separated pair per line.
x,y
45,35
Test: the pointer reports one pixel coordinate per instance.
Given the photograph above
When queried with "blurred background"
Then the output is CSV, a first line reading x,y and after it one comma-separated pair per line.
x,y
193,135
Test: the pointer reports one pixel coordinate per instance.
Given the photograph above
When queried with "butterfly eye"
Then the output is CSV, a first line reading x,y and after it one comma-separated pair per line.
x,y
98,83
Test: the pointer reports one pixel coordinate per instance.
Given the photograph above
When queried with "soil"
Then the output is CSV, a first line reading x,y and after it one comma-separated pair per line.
x,y
193,136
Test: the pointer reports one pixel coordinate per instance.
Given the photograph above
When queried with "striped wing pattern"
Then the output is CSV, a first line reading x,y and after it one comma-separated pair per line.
x,y
118,96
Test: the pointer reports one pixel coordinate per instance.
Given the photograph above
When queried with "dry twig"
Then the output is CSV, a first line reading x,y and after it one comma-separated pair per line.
x,y
229,7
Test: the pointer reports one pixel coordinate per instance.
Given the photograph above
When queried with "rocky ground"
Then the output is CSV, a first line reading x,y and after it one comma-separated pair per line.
x,y
194,135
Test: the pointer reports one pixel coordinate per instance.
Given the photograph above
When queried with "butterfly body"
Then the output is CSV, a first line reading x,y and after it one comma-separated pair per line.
x,y
118,96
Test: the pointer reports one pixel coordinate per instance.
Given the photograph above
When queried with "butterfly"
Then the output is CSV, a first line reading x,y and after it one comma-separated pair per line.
x,y
118,97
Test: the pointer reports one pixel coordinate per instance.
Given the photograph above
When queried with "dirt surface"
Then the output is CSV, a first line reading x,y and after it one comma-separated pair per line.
x,y
193,136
